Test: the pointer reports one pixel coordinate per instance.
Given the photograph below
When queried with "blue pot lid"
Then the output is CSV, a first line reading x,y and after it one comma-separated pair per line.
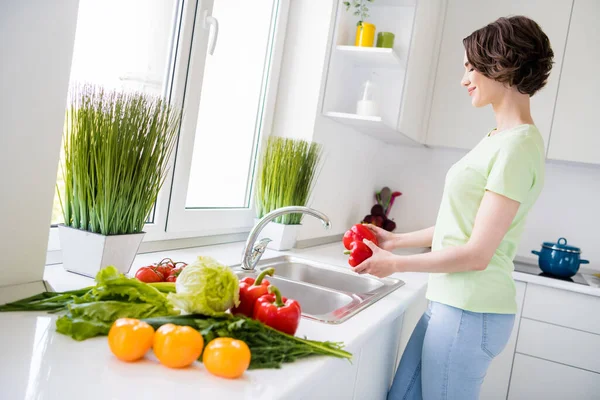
x,y
561,245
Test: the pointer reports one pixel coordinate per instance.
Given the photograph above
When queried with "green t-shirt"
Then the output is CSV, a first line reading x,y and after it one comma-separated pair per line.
x,y
510,163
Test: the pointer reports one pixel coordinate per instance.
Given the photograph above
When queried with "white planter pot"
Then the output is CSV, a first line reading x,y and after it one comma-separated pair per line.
x,y
86,253
283,237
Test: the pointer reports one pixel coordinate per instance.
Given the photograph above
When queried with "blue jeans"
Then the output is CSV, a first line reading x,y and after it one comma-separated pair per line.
x,y
448,354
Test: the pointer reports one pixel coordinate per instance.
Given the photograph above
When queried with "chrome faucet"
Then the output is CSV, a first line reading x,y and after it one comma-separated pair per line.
x,y
252,253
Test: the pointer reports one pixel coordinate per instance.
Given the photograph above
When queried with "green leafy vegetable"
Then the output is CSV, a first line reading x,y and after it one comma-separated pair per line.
x,y
45,301
269,347
112,310
58,301
206,287
113,285
80,328
91,311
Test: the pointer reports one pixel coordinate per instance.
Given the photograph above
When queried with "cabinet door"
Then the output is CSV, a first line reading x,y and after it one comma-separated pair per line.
x,y
574,136
534,378
453,121
495,384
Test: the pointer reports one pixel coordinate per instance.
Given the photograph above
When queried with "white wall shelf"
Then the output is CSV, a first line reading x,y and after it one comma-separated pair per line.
x,y
401,75
371,56
372,126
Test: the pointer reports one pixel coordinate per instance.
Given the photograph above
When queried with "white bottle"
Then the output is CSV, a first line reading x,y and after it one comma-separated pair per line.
x,y
367,105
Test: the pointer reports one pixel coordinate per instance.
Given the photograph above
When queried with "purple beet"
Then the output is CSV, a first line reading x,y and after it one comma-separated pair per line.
x,y
368,219
376,210
389,225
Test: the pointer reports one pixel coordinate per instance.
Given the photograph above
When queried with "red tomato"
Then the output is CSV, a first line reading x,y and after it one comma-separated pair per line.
x,y
149,275
164,269
174,274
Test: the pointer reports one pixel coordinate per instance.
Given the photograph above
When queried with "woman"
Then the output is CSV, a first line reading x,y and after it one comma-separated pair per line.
x,y
487,196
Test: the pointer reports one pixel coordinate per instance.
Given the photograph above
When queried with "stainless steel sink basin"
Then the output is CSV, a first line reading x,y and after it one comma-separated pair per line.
x,y
309,272
326,293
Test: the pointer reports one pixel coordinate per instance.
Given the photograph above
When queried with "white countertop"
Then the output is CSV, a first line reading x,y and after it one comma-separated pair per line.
x,y
38,363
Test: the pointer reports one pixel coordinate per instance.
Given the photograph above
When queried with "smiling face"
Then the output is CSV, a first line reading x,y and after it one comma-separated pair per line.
x,y
483,90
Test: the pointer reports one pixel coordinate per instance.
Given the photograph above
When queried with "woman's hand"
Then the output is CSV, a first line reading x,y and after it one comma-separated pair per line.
x,y
381,264
386,239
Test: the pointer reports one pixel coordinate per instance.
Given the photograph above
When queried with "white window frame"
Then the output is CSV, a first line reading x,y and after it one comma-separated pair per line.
x,y
171,219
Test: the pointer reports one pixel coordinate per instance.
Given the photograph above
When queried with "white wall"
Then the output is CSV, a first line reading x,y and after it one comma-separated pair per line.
x,y
35,59
305,49
345,187
568,205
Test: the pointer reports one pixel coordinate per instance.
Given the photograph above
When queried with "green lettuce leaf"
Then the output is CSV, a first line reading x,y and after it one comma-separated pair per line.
x,y
81,329
115,296
113,285
110,311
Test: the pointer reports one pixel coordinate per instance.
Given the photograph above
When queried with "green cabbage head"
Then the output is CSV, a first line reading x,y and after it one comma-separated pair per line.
x,y
206,287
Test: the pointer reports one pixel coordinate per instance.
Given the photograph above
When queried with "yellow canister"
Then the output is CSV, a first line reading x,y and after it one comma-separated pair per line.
x,y
365,35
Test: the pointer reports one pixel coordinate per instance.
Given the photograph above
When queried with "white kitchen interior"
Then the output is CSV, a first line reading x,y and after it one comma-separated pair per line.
x,y
289,68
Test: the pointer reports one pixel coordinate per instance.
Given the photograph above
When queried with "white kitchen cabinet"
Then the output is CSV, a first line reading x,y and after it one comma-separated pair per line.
x,y
562,307
453,121
369,376
534,378
403,76
377,363
559,344
574,134
495,384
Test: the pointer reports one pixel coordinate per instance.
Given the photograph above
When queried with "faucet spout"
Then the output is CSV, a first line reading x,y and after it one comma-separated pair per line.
x,y
252,254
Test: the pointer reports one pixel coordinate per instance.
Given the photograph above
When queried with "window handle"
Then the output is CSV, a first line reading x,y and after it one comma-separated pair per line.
x,y
208,22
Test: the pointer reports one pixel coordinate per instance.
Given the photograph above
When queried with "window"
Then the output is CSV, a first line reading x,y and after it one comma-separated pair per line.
x,y
162,47
122,44
219,141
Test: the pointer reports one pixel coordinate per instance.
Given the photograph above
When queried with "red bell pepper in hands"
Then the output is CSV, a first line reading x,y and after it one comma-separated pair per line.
x,y
359,252
250,291
356,234
353,241
278,312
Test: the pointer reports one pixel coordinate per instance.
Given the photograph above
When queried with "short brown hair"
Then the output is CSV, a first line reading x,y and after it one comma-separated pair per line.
x,y
514,51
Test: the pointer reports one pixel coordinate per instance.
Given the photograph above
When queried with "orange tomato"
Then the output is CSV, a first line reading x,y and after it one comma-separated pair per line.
x,y
177,346
129,339
226,357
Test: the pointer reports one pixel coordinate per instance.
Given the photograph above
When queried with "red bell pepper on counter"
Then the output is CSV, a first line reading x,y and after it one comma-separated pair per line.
x,y
353,242
250,291
356,234
278,312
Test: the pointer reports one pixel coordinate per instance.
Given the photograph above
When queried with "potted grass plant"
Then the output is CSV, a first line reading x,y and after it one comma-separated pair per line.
x,y
286,177
116,147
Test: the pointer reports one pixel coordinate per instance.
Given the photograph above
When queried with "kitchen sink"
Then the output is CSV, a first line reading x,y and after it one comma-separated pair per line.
x,y
306,271
326,293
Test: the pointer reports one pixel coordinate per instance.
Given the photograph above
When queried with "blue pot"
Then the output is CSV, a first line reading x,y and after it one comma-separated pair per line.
x,y
558,259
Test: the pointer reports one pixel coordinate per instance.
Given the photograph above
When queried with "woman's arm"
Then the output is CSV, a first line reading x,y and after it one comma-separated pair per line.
x,y
422,238
390,241
494,217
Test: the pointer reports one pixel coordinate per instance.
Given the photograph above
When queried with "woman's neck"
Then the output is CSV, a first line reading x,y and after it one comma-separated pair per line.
x,y
512,109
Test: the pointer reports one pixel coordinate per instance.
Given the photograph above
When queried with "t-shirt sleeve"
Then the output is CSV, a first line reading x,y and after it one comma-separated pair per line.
x,y
512,174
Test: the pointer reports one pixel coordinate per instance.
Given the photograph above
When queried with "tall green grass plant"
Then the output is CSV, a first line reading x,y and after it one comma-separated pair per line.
x,y
287,175
116,149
